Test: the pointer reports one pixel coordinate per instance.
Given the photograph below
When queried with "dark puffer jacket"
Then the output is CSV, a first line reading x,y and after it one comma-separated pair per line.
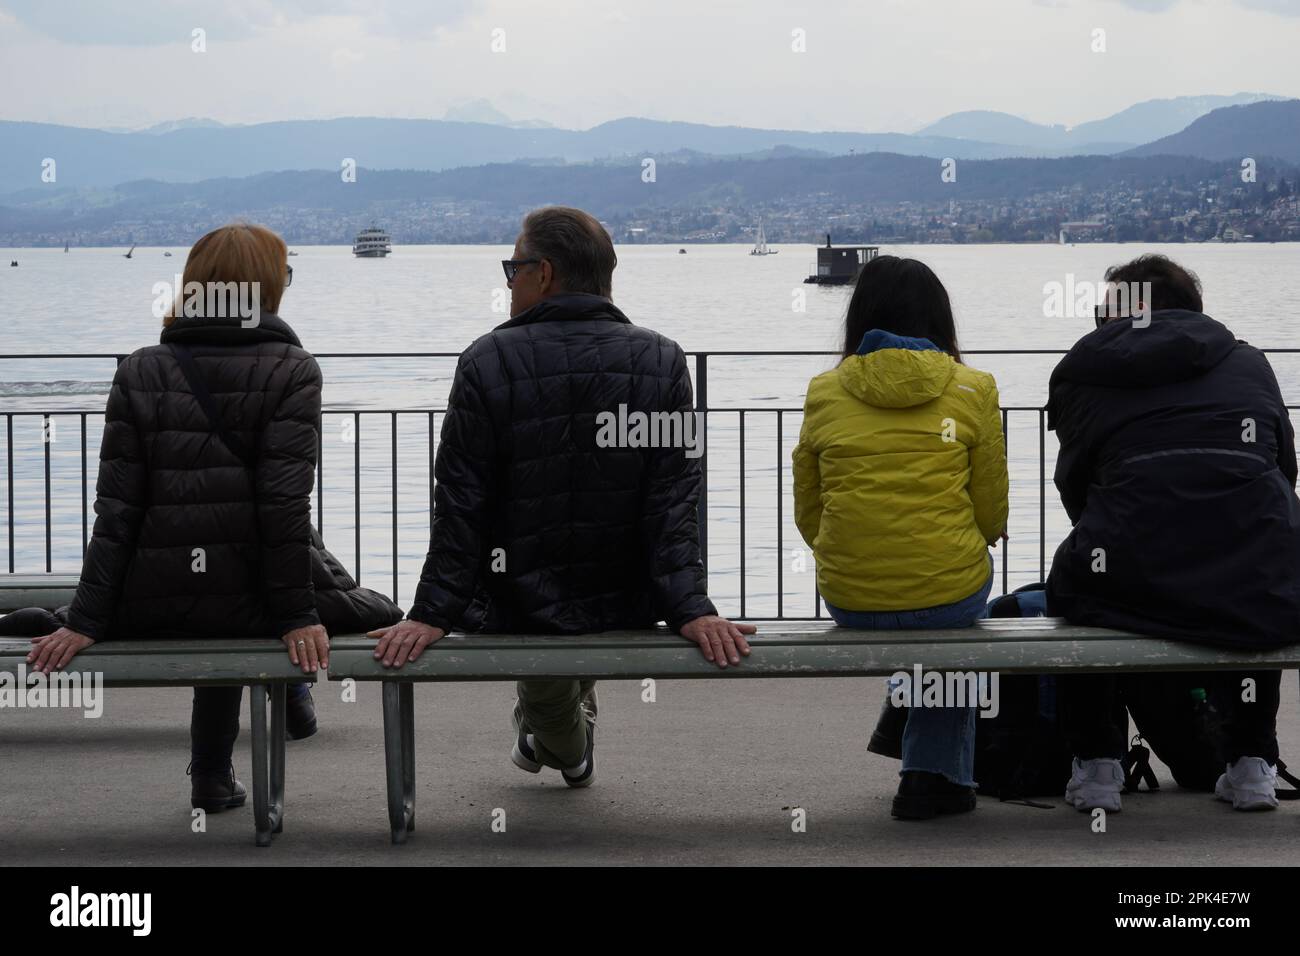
x,y
1177,467
537,526
168,487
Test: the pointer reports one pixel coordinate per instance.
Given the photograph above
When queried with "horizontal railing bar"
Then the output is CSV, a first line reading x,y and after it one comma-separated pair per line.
x,y
728,353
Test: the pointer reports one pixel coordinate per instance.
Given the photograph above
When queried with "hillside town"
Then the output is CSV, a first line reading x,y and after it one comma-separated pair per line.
x,y
1175,212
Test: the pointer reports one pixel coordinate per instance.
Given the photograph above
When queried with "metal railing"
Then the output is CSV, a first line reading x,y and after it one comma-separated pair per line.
x,y
362,493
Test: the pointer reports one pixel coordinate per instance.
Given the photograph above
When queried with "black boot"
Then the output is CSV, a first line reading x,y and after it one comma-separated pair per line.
x,y
923,795
213,792
887,738
299,712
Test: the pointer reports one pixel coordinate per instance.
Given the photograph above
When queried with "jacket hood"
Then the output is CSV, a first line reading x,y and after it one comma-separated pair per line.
x,y
895,371
569,307
228,331
1178,345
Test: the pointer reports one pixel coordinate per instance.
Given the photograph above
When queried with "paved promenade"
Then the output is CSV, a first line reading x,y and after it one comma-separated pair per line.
x,y
707,774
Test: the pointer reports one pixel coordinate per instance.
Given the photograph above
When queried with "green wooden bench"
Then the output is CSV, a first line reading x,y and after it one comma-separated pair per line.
x,y
261,665
780,649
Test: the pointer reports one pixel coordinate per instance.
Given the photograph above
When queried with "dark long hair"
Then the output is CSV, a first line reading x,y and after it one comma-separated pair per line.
x,y
902,296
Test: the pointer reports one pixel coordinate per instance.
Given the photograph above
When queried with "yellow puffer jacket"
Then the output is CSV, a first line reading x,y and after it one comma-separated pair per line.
x,y
900,477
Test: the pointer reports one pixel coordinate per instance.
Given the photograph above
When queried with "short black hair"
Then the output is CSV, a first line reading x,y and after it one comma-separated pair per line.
x,y
576,245
1172,286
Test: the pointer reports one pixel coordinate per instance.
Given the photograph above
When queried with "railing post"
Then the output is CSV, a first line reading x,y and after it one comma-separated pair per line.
x,y
356,488
1042,494
85,510
49,517
9,484
702,420
394,492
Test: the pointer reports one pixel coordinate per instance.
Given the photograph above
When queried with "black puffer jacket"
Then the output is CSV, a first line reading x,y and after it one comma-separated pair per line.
x,y
1177,467
168,486
536,525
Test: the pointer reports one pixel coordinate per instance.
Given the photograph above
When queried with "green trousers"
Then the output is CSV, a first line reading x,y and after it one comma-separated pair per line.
x,y
552,711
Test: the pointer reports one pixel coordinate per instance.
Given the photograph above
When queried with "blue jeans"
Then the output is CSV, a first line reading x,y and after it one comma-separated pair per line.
x,y
936,739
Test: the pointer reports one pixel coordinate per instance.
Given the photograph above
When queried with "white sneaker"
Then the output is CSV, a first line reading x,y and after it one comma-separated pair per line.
x,y
1095,784
1249,784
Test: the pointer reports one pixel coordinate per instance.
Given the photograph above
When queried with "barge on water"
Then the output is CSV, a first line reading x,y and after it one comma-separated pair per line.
x,y
840,265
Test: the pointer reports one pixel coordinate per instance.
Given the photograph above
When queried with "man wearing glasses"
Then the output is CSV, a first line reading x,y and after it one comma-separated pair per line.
x,y
539,524
1177,468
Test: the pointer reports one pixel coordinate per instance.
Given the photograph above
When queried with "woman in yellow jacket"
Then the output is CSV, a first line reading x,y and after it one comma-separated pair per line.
x,y
900,487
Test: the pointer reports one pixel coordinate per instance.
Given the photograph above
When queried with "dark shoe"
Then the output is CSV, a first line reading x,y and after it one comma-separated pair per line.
x,y
887,738
299,713
923,795
214,792
524,756
588,775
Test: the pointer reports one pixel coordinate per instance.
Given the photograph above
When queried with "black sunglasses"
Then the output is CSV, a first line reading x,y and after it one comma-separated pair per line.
x,y
511,267
288,277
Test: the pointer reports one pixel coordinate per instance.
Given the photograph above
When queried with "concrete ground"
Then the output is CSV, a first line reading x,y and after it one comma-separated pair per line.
x,y
707,774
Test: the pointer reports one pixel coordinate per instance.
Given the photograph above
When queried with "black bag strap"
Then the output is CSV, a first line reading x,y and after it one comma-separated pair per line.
x,y
1137,767
190,369
1289,778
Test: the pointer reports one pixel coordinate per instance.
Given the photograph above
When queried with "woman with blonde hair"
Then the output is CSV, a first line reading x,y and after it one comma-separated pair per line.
x,y
203,509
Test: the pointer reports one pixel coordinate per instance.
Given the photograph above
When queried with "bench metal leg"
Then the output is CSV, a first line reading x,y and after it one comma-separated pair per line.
x,y
408,752
279,696
268,761
399,756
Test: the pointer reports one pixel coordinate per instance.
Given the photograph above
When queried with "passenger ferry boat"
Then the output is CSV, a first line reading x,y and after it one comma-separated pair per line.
x,y
372,243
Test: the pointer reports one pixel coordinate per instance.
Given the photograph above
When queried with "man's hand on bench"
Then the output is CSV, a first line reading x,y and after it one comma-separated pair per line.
x,y
720,640
309,647
404,641
53,652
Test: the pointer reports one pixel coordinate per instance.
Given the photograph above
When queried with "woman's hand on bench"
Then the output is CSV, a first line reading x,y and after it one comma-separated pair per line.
x,y
53,652
404,641
720,640
309,647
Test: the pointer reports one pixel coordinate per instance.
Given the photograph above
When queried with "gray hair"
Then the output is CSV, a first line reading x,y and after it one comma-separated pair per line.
x,y
576,245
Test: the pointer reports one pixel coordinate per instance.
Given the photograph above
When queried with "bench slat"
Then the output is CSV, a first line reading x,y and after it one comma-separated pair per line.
x,y
612,656
812,632
49,591
173,663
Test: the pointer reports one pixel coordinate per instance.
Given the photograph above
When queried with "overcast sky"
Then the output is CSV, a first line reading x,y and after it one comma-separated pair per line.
x,y
869,65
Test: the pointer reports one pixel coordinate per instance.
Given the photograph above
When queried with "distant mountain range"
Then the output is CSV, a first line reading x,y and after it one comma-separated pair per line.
x,y
1261,131
193,150
94,158
1139,124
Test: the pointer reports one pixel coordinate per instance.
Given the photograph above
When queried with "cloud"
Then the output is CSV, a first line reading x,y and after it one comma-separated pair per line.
x,y
159,22
1150,6
344,57
1285,8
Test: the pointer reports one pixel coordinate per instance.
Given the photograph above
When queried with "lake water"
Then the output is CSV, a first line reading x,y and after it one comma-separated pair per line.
x,y
439,298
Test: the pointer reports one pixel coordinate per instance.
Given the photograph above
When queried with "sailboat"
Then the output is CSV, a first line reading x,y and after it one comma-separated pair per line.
x,y
128,255
65,245
760,244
